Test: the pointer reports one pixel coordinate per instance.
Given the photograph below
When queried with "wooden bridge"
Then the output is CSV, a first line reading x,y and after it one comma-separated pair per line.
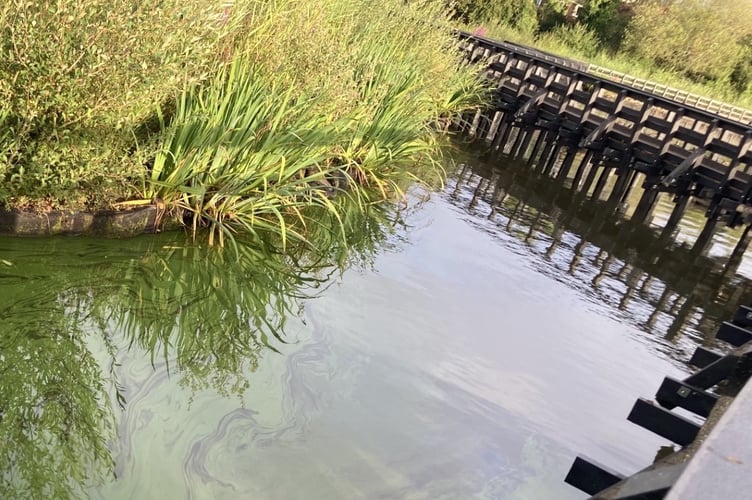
x,y
604,138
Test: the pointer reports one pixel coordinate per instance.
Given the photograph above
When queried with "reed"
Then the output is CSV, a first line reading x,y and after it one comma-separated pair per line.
x,y
317,102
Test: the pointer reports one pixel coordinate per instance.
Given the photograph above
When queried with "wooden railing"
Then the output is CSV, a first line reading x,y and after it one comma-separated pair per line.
x,y
681,96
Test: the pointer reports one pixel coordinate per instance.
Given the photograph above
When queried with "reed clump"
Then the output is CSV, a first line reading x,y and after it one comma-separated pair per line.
x,y
319,100
238,116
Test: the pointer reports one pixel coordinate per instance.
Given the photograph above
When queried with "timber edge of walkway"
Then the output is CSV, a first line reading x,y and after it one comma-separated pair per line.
x,y
715,455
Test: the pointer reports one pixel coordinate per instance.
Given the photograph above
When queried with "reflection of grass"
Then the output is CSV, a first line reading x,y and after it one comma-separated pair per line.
x,y
55,420
207,313
212,312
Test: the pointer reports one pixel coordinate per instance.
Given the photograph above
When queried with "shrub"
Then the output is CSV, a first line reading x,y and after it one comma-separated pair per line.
x,y
576,37
78,83
516,13
608,19
702,40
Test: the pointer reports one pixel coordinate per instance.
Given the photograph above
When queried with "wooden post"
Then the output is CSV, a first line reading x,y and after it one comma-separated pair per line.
x,y
494,127
586,161
504,130
601,184
664,423
590,476
659,307
514,151
673,393
702,357
681,318
484,126
525,143
702,244
592,173
620,186
646,205
550,155
476,192
536,146
733,334
630,184
566,164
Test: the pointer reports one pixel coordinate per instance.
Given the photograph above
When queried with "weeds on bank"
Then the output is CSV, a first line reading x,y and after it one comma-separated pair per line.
x,y
318,102
240,116
79,84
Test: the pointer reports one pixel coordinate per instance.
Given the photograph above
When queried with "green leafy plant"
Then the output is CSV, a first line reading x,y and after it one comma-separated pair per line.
x,y
276,130
79,82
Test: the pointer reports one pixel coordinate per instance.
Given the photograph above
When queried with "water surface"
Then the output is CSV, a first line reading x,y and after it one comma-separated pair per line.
x,y
470,352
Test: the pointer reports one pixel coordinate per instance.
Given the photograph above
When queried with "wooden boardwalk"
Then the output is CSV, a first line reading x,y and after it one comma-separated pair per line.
x,y
713,458
605,139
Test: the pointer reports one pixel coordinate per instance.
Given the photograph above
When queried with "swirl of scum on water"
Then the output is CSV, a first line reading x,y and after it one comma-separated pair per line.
x,y
139,381
240,428
304,363
195,469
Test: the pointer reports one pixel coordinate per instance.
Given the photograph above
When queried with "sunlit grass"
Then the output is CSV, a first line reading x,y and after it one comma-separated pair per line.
x,y
261,143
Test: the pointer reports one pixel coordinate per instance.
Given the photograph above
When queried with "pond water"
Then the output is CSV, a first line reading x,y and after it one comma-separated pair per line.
x,y
470,351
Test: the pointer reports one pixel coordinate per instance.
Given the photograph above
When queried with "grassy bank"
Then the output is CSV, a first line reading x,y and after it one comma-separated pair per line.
x,y
577,43
700,46
239,118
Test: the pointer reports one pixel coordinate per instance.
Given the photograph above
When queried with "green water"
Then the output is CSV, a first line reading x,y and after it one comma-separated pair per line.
x,y
470,348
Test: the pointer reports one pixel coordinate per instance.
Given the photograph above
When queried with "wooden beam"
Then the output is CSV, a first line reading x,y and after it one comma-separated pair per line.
x,y
664,423
743,316
591,477
713,373
702,357
673,393
733,334
650,484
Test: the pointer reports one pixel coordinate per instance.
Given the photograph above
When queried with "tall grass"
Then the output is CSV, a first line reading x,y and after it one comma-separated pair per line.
x,y
320,101
79,82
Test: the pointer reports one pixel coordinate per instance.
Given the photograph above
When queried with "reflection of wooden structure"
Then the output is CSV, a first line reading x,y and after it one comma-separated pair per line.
x,y
663,288
585,130
574,236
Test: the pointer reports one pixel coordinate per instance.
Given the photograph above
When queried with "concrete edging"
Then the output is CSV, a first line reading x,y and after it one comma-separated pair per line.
x,y
107,223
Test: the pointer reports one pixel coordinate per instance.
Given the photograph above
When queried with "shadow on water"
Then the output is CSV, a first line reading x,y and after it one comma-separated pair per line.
x,y
677,298
70,308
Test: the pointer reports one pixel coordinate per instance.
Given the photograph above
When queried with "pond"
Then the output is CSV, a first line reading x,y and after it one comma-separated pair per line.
x,y
471,348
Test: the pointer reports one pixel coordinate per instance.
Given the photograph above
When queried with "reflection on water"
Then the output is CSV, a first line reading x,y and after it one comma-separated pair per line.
x,y
654,283
74,310
471,356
